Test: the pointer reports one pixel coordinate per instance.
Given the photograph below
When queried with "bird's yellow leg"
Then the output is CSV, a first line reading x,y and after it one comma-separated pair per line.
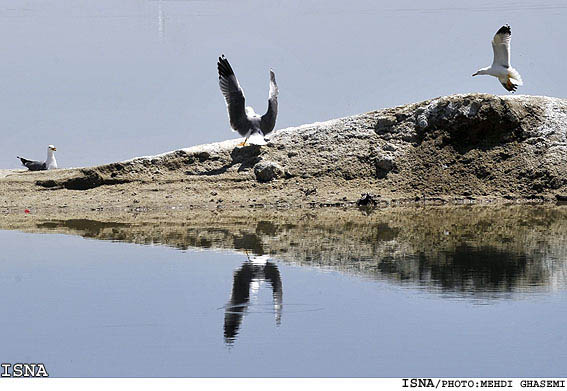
x,y
244,142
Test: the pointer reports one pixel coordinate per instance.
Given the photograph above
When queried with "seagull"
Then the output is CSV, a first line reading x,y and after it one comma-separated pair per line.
x,y
49,164
246,284
500,68
244,120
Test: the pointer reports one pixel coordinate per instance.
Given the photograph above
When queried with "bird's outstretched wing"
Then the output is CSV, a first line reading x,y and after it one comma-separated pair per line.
x,y
272,274
233,96
33,165
268,120
501,47
239,301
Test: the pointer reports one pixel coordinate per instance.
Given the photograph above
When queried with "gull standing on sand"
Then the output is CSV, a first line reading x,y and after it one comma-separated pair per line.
x,y
500,68
49,164
244,120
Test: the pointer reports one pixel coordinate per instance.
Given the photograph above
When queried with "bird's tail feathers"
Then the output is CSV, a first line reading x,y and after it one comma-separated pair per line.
x,y
515,77
257,138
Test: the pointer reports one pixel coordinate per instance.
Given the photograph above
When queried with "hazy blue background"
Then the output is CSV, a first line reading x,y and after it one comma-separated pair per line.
x,y
108,80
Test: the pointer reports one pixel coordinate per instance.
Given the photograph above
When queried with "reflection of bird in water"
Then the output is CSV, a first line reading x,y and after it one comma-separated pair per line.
x,y
248,279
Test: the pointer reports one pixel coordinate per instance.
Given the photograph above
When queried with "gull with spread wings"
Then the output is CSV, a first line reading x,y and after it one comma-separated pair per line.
x,y
243,119
500,68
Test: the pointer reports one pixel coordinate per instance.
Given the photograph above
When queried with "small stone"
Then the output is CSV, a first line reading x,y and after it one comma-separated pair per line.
x,y
422,121
389,147
266,171
384,124
384,164
202,156
367,199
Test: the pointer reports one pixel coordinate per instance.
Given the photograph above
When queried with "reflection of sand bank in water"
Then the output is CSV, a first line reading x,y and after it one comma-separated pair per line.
x,y
479,250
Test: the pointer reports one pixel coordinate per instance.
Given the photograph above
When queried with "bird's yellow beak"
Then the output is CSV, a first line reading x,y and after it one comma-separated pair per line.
x,y
54,149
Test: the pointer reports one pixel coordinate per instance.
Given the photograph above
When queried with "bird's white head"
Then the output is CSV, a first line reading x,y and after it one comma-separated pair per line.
x,y
481,71
51,162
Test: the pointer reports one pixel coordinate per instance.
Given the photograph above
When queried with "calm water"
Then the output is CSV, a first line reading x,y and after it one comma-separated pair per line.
x,y
108,80
485,299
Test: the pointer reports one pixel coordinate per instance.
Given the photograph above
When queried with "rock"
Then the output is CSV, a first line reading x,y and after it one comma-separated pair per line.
x,y
384,164
384,124
309,191
266,171
85,180
389,147
203,156
367,199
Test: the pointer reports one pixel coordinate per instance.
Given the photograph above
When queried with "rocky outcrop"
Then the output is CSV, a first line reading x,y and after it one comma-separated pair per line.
x,y
460,148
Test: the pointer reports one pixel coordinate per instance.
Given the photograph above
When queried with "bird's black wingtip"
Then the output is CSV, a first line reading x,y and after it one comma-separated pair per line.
x,y
505,30
224,67
510,87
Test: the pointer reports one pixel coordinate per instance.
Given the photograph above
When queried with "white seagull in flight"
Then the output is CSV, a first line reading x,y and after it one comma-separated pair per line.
x,y
500,68
244,120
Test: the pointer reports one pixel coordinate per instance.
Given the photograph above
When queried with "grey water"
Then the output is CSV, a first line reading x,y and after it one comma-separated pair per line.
x,y
486,300
110,80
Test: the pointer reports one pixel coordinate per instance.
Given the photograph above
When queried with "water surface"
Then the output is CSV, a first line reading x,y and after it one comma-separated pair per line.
x,y
433,292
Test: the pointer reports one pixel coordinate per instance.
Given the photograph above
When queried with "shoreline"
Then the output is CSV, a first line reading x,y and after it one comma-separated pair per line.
x,y
378,243
460,149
